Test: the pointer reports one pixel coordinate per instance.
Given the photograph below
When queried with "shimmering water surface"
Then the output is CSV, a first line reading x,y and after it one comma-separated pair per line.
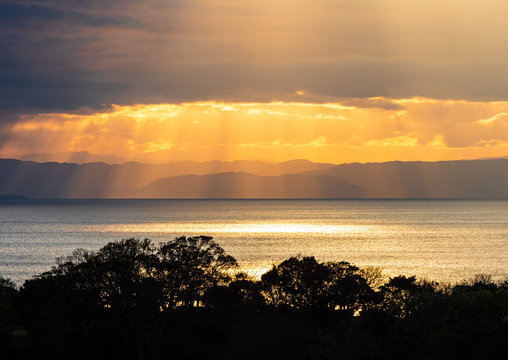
x,y
437,239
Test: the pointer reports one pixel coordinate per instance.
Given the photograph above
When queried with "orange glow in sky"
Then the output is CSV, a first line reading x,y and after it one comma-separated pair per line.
x,y
330,81
363,130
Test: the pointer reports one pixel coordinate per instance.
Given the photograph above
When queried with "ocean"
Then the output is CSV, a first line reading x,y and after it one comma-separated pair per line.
x,y
441,240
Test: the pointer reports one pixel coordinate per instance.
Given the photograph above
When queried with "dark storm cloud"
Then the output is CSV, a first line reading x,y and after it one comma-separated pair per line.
x,y
40,68
25,15
64,55
23,87
21,15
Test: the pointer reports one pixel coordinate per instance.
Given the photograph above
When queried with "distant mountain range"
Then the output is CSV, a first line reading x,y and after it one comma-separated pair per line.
x,y
244,185
486,178
77,157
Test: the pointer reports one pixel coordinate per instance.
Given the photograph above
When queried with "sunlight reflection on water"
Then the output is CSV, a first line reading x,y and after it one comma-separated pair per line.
x,y
441,240
243,228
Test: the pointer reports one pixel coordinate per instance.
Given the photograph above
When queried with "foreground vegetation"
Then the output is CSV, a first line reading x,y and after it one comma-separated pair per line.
x,y
183,299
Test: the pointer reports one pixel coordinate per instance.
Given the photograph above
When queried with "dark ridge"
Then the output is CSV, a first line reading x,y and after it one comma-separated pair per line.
x,y
299,179
12,197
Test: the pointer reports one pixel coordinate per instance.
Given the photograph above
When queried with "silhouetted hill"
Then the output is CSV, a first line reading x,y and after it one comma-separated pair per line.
x,y
97,180
442,179
243,185
12,197
182,167
445,179
55,180
78,157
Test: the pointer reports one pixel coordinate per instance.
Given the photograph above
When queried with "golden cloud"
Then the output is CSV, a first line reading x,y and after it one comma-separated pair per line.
x,y
408,129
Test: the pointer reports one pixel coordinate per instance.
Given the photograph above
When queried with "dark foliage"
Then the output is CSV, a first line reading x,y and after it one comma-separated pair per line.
x,y
133,299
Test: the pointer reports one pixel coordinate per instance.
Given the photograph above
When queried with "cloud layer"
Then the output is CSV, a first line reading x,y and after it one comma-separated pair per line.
x,y
65,55
332,80
374,129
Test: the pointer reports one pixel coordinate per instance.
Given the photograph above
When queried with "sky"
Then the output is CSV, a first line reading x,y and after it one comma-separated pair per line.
x,y
326,80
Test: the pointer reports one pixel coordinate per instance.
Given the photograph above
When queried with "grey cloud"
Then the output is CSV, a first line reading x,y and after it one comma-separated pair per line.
x,y
30,16
370,103
71,54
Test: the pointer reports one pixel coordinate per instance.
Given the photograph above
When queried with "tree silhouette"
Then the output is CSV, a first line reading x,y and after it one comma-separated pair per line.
x,y
126,287
132,299
242,291
296,283
191,266
7,292
8,318
304,283
346,288
404,295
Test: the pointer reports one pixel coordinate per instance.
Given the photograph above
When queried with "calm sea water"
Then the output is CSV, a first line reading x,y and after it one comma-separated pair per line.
x,y
440,240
